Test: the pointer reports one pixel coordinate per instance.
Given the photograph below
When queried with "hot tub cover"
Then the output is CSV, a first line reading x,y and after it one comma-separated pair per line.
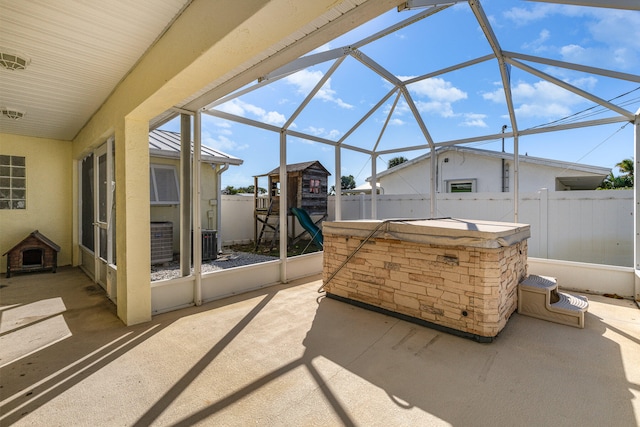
x,y
446,232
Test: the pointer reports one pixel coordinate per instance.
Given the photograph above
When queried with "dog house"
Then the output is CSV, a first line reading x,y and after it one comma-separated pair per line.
x,y
34,253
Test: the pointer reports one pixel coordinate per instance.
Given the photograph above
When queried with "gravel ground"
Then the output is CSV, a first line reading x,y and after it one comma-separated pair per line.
x,y
171,270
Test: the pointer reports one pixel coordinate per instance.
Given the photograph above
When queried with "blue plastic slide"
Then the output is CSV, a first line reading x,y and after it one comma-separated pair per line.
x,y
307,223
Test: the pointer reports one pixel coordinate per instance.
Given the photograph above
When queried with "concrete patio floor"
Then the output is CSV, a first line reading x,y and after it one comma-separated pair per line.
x,y
287,356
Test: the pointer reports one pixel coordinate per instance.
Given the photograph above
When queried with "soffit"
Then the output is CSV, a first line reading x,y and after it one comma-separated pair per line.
x,y
79,52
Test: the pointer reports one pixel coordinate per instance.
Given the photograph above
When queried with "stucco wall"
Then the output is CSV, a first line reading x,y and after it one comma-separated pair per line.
x,y
414,179
208,190
49,207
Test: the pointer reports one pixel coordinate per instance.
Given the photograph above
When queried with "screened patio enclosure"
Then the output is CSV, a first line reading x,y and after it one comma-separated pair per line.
x,y
421,93
397,94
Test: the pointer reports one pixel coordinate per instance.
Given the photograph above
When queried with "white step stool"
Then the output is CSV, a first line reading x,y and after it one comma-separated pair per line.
x,y
538,297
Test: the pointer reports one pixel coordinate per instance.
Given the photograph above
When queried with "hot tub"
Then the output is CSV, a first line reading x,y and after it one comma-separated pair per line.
x,y
456,275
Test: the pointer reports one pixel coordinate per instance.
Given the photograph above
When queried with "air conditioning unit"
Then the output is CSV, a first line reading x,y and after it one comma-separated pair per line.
x,y
161,242
209,245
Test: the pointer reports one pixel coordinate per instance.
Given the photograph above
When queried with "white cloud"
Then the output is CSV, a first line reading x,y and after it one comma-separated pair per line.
x,y
334,134
306,80
232,107
439,92
551,110
436,89
474,120
543,98
496,96
614,35
322,132
221,142
572,52
244,109
537,45
315,131
524,15
274,118
620,57
401,108
616,27
396,122
442,108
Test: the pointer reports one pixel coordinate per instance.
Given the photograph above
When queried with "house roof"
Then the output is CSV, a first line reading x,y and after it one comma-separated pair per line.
x,y
597,171
39,236
163,143
298,167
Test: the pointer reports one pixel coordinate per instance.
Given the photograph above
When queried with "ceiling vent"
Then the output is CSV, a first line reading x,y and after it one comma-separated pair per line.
x,y
13,61
12,113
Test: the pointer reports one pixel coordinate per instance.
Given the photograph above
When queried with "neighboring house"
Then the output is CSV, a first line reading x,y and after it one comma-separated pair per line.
x,y
472,170
164,179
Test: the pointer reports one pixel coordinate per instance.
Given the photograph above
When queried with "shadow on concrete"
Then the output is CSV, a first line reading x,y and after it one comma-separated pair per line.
x,y
358,366
536,373
96,337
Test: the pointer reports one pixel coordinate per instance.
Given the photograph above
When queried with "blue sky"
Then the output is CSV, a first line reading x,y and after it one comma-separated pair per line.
x,y
459,104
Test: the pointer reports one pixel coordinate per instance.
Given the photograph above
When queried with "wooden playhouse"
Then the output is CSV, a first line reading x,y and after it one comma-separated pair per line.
x,y
307,189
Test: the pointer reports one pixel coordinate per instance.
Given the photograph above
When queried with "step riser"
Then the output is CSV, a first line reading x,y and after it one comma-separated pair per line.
x,y
534,300
535,305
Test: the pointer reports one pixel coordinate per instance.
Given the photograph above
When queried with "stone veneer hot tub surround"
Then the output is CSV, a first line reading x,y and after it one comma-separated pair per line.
x,y
454,274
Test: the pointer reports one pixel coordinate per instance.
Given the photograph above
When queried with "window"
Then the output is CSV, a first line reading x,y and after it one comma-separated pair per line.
x,y
461,186
13,182
164,185
314,186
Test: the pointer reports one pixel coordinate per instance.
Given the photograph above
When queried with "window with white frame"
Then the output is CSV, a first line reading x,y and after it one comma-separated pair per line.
x,y
163,181
13,182
461,186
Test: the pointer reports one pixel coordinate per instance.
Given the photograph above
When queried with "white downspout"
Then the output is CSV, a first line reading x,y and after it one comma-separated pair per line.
x,y
220,171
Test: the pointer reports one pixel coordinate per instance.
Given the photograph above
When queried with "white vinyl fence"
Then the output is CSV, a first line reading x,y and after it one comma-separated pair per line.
x,y
584,226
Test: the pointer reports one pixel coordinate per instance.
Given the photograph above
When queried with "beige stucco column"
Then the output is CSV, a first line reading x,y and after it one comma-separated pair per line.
x,y
132,219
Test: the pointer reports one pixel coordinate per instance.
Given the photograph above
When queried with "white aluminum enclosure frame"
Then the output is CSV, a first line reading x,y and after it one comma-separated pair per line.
x,y
207,103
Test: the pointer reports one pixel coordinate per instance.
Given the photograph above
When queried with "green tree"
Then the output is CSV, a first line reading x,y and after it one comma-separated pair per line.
x,y
396,161
346,183
229,189
626,167
622,181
